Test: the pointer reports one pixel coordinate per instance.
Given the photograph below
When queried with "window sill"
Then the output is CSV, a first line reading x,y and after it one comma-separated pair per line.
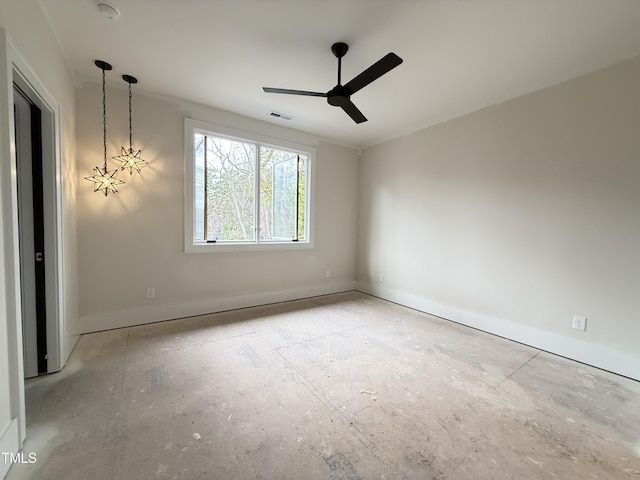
x,y
246,247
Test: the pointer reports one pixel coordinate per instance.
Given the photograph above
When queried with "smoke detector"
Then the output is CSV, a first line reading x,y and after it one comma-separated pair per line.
x,y
108,11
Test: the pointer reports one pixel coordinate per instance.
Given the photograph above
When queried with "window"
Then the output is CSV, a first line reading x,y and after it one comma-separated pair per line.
x,y
245,191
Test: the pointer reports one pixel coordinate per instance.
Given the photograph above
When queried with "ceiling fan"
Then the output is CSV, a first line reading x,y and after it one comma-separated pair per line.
x,y
340,95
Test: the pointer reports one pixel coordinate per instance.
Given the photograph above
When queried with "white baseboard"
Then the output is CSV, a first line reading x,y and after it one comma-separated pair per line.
x,y
9,443
592,354
159,313
70,344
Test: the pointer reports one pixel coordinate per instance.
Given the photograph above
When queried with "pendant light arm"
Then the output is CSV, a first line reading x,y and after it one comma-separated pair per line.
x,y
130,123
130,159
130,80
105,181
104,66
104,121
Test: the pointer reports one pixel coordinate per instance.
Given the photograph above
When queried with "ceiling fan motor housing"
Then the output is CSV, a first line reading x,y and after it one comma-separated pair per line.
x,y
338,96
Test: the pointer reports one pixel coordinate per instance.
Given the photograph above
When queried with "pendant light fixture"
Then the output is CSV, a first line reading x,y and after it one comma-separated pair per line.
x,y
130,159
105,180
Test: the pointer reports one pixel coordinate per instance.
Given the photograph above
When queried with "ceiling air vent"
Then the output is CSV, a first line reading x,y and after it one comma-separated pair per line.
x,y
281,116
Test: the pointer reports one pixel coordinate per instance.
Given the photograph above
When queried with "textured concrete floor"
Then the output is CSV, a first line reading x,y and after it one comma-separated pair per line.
x,y
341,387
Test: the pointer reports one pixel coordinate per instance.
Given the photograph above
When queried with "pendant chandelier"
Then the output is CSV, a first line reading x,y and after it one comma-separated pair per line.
x,y
130,159
105,180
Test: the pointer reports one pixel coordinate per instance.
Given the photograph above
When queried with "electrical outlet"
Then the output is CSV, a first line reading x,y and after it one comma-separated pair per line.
x,y
381,277
579,323
327,274
151,292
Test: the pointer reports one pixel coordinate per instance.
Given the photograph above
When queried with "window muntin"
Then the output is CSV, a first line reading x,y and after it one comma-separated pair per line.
x,y
224,172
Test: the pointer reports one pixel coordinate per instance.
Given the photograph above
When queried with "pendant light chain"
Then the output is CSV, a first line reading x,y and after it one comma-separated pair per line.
x,y
130,134
104,120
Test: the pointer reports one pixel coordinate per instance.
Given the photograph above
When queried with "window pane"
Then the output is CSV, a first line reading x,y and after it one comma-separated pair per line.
x,y
302,196
229,193
281,195
198,207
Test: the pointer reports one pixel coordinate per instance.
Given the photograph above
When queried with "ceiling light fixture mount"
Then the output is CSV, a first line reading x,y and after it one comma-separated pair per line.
x,y
104,66
129,158
105,180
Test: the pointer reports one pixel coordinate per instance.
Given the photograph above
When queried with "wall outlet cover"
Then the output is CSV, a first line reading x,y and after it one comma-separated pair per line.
x,y
579,323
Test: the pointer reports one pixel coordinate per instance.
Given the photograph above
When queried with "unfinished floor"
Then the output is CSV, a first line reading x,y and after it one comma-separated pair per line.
x,y
341,387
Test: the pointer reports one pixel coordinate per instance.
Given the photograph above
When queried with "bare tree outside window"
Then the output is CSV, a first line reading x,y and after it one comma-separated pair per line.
x,y
226,206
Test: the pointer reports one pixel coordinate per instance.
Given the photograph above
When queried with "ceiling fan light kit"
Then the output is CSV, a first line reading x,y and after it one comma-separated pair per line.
x,y
340,95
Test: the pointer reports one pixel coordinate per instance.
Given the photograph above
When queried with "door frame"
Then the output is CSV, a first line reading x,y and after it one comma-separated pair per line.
x,y
14,68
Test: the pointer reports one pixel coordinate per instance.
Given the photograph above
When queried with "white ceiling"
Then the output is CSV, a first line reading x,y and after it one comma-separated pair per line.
x,y
459,55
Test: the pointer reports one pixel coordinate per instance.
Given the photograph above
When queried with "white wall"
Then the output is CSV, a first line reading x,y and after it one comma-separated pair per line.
x,y
31,38
134,239
30,33
514,218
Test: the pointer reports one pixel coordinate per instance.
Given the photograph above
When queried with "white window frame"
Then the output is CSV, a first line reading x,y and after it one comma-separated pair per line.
x,y
191,127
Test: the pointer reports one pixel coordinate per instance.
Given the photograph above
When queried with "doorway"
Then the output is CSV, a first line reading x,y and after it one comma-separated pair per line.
x,y
37,230
28,135
16,71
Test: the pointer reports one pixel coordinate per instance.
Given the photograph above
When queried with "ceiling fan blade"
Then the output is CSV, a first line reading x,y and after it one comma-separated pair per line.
x,y
293,92
375,71
353,112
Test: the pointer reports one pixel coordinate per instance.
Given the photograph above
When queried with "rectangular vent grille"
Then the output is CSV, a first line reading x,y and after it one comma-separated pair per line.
x,y
281,116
